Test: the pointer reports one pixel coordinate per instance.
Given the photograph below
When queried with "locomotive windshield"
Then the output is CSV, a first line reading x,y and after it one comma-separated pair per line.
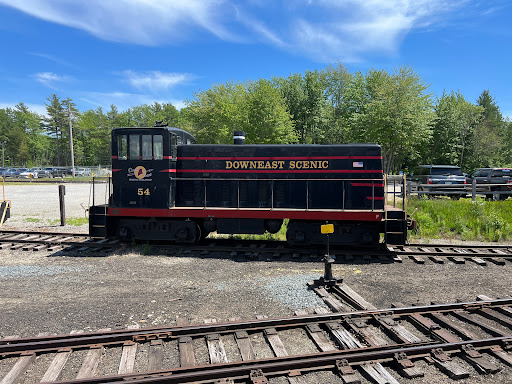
x,y
140,147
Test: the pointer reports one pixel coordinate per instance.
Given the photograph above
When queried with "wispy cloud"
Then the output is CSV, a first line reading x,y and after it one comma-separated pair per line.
x,y
324,30
50,79
133,21
50,57
125,100
348,30
155,81
259,28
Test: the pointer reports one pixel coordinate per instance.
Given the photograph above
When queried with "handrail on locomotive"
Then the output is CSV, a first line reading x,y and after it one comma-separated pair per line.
x,y
272,190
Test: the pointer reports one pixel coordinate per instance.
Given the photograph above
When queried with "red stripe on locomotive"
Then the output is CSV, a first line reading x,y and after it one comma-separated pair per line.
x,y
248,213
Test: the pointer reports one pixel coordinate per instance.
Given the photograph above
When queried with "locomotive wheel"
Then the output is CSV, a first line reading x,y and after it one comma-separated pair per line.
x,y
186,235
124,233
295,235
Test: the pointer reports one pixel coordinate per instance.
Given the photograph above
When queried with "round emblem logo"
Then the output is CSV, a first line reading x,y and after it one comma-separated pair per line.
x,y
139,172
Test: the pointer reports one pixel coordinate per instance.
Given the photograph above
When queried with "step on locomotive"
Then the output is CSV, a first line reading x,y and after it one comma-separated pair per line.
x,y
166,187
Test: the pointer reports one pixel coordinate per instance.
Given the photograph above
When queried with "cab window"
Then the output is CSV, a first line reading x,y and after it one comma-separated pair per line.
x,y
147,153
122,147
140,147
158,147
173,145
134,147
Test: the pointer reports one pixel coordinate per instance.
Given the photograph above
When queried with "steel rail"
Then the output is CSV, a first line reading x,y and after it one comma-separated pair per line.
x,y
81,341
227,245
54,238
283,365
83,243
267,247
462,246
18,232
454,254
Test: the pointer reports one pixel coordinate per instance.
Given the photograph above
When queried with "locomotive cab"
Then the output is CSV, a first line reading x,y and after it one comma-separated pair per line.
x,y
143,176
144,166
141,165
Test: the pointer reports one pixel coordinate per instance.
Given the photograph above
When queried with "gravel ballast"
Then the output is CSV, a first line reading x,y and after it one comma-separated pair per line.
x,y
57,293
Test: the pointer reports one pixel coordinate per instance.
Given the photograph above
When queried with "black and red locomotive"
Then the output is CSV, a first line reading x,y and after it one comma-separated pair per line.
x,y
166,187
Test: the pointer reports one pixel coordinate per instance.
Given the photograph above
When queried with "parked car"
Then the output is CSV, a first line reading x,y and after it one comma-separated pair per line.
x,y
32,173
20,171
10,172
439,180
43,172
57,171
48,171
83,172
493,180
60,172
79,171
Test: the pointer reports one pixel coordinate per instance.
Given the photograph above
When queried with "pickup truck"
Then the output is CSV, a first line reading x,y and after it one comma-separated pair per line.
x,y
55,171
493,180
431,180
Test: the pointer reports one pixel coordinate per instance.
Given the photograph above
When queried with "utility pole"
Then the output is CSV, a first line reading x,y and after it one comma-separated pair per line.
x,y
71,141
3,147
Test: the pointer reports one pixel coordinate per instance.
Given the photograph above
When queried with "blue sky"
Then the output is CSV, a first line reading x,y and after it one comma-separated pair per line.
x,y
129,52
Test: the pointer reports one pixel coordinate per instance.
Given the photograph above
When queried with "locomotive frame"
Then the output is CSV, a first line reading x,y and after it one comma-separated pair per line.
x,y
166,187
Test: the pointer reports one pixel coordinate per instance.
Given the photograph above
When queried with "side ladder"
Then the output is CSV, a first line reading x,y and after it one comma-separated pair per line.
x,y
395,219
98,221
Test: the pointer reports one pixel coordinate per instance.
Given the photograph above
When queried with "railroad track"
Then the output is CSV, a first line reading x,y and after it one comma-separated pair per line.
x,y
456,253
267,250
418,253
53,241
356,342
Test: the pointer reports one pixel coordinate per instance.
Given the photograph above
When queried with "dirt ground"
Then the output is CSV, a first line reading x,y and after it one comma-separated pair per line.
x,y
45,292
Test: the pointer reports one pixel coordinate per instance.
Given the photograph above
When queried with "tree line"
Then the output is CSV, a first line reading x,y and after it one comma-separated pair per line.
x,y
394,109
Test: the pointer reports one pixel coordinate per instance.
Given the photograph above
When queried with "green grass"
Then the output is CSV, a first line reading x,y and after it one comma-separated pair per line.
x,y
75,221
281,235
437,219
443,218
463,219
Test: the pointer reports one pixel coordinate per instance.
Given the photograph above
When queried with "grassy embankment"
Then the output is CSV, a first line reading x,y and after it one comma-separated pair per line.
x,y
444,218
463,219
75,221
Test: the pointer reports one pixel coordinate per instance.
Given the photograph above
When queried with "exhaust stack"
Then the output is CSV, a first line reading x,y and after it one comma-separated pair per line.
x,y
238,137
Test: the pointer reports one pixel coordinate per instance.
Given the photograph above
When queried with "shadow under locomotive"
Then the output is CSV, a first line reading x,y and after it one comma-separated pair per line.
x,y
164,187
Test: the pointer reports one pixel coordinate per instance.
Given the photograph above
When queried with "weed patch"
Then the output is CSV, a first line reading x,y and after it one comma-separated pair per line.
x,y
480,220
75,221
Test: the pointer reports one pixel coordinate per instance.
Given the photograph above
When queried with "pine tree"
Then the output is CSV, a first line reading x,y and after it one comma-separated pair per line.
x,y
55,123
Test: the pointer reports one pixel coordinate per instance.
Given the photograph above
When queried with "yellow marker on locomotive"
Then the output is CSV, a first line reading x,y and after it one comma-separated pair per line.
x,y
327,228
